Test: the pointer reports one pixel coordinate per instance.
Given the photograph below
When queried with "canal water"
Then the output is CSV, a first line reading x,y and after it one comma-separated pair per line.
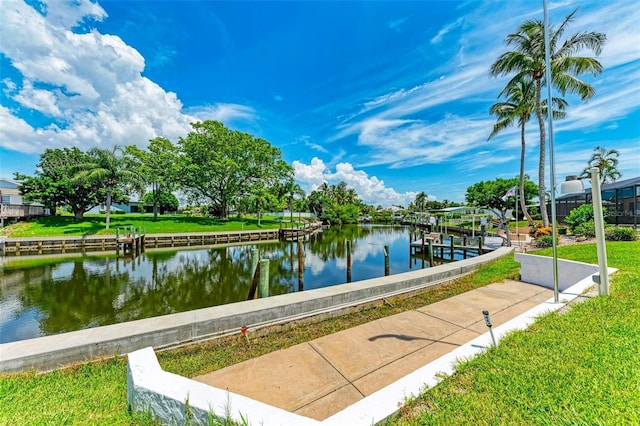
x,y
49,296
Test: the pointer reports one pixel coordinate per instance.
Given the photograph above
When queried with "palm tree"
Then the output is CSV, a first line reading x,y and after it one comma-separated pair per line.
x,y
109,169
528,60
421,201
606,160
292,189
519,106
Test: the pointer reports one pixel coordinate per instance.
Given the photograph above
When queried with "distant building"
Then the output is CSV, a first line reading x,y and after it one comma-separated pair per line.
x,y
621,200
12,206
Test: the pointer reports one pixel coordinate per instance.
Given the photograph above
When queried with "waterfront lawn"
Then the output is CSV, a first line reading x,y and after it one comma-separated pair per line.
x,y
95,393
580,367
94,224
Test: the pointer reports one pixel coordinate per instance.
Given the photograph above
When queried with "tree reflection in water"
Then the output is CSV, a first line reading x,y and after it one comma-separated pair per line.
x,y
93,291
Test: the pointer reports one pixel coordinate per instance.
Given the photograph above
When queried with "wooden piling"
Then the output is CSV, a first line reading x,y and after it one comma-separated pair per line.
x,y
348,261
263,288
430,248
300,266
386,260
451,243
253,288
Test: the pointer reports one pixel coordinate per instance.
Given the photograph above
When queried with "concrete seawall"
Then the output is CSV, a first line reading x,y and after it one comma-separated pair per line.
x,y
50,352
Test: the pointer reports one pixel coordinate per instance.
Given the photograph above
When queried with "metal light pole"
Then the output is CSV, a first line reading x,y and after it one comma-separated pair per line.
x,y
552,173
596,199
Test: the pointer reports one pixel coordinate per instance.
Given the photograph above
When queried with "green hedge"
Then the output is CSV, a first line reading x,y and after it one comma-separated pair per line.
x,y
621,234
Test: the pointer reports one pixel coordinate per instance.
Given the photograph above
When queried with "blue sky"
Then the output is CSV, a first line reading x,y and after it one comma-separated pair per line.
x,y
391,97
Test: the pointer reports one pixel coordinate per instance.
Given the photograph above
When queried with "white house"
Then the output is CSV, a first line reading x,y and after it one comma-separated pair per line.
x,y
12,206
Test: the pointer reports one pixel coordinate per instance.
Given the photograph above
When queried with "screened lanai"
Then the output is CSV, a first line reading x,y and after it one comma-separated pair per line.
x,y
620,199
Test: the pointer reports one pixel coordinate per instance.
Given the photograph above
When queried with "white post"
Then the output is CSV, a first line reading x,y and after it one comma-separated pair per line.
x,y
596,199
517,202
473,226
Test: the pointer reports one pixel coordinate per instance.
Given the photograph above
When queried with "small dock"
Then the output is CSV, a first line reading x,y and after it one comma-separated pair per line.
x,y
131,241
445,247
294,234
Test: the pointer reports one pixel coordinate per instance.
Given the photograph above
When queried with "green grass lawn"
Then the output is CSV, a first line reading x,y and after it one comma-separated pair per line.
x,y
94,224
577,368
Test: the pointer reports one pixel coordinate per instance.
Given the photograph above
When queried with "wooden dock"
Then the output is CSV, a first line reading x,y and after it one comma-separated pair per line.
x,y
293,234
444,247
131,240
102,243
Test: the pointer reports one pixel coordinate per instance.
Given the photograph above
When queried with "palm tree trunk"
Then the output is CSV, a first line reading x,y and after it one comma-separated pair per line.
x,y
291,209
542,194
523,204
108,207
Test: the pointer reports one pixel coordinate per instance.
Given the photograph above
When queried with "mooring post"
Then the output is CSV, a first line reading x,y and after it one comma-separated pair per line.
x,y
464,246
451,243
480,245
422,252
255,257
348,261
386,260
300,266
430,252
263,288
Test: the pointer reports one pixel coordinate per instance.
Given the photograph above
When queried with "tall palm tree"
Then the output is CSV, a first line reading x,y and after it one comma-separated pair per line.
x,y
292,189
606,160
519,105
111,170
527,59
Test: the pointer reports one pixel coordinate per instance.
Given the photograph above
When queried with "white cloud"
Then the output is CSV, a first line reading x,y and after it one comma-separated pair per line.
x,y
310,175
88,84
370,189
40,100
447,29
391,125
223,112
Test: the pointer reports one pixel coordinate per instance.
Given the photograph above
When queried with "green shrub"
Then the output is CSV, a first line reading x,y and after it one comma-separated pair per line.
x,y
587,229
580,215
621,234
544,241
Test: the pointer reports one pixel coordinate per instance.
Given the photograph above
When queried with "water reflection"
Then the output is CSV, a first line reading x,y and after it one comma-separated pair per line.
x,y
92,291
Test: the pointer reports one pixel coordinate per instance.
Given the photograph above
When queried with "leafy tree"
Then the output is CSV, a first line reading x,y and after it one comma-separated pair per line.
x,y
110,169
527,60
492,194
222,165
54,183
318,202
606,160
157,167
162,200
519,106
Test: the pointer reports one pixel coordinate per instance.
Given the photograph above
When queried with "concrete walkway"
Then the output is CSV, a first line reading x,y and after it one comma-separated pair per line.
x,y
320,378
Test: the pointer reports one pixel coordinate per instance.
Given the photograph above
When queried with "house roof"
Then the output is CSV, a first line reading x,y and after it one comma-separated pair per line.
x,y
8,184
